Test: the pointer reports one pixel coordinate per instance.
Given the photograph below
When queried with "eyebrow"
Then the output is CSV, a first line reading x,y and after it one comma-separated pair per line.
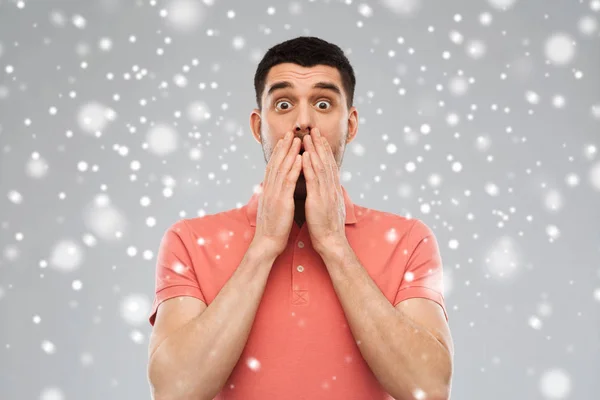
x,y
319,85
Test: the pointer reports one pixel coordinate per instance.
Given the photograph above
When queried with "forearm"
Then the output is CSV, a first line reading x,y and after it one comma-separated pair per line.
x,y
196,361
404,357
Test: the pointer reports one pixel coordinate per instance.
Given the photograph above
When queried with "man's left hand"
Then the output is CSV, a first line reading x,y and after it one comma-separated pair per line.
x,y
325,211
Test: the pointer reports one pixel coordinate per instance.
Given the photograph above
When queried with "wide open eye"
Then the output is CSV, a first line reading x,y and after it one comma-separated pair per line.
x,y
283,101
321,102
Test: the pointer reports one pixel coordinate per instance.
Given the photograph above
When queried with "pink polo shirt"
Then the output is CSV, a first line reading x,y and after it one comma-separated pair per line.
x,y
300,345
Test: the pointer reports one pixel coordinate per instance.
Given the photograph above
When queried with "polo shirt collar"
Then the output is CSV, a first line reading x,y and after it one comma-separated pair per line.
x,y
252,207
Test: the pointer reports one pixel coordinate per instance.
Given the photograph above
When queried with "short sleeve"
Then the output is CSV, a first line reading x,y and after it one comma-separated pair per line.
x,y
175,275
423,274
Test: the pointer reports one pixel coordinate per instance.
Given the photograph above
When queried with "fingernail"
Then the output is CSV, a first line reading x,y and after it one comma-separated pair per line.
x,y
287,134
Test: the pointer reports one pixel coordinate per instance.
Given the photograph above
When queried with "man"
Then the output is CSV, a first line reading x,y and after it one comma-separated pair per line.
x,y
300,294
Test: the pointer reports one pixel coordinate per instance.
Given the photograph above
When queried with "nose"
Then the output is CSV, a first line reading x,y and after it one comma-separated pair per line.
x,y
303,128
304,119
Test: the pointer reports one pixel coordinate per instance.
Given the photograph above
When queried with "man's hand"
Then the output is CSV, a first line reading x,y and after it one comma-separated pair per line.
x,y
324,207
276,206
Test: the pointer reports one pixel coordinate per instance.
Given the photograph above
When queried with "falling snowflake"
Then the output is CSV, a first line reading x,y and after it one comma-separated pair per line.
x,y
560,49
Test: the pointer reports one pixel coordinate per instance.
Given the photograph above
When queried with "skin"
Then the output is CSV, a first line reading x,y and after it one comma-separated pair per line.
x,y
301,109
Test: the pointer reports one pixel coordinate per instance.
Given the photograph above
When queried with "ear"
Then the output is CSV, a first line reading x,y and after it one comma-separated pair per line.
x,y
255,124
352,124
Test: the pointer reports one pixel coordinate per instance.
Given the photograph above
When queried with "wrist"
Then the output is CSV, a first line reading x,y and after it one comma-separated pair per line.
x,y
262,250
333,248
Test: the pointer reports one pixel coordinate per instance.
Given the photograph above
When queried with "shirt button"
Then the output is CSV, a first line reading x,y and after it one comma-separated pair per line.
x,y
300,268
301,244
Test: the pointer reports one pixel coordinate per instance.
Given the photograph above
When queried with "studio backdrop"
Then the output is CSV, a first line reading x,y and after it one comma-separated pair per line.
x,y
119,118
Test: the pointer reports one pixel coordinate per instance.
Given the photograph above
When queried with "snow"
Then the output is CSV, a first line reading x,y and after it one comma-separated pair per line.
x,y
119,118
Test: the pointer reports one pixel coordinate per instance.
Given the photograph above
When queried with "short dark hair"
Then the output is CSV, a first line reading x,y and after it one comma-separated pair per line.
x,y
306,51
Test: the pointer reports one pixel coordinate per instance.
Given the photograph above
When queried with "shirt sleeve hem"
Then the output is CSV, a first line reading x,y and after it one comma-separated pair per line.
x,y
422,292
173,291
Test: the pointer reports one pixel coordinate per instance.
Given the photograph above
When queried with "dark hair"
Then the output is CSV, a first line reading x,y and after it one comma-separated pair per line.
x,y
306,51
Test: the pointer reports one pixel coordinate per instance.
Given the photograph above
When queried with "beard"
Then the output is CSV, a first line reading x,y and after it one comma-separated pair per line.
x,y
300,191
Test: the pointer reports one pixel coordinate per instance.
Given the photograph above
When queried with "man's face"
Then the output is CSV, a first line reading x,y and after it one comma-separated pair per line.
x,y
300,107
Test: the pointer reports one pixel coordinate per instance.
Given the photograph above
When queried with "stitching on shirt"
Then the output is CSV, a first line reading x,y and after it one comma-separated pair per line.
x,y
421,287
299,297
173,286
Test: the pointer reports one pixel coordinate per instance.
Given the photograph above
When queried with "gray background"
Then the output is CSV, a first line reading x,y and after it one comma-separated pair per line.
x,y
503,132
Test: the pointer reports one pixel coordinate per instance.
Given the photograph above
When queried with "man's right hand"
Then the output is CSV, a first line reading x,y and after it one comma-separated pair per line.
x,y
276,207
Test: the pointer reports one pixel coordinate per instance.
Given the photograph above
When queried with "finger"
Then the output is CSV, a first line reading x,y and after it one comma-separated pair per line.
x,y
271,161
332,161
318,167
287,163
320,148
279,153
289,183
309,174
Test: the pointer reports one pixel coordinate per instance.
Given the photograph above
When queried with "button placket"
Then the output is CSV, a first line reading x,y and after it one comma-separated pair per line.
x,y
300,294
